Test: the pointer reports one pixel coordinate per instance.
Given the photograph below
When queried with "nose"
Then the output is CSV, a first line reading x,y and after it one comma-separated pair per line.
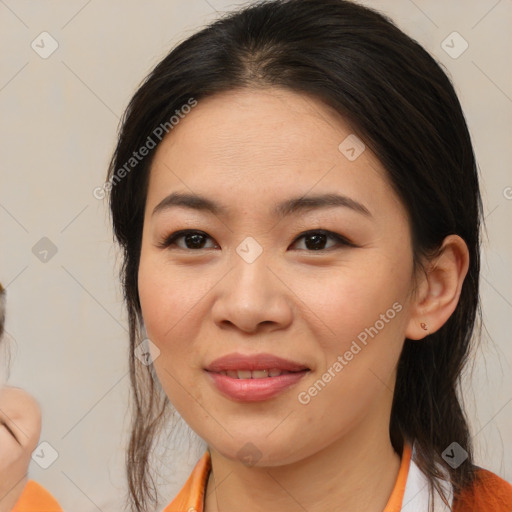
x,y
253,297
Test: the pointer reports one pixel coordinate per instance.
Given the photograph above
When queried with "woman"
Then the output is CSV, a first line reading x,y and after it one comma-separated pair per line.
x,y
296,196
20,428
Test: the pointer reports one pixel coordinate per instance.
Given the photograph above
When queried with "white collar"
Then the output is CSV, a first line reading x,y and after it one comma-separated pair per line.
x,y
416,495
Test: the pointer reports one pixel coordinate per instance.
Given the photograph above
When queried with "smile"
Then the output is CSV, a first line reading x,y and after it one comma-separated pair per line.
x,y
256,374
254,378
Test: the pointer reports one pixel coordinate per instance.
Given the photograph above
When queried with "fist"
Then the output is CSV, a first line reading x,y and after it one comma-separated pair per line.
x,y
20,428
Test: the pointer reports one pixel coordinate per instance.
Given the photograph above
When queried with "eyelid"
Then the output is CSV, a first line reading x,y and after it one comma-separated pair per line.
x,y
170,239
340,239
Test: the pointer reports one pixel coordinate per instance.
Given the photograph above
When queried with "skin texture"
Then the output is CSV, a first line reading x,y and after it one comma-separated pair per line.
x,y
20,427
250,149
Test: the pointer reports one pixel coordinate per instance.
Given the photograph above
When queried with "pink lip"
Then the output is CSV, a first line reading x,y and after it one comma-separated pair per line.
x,y
238,361
254,390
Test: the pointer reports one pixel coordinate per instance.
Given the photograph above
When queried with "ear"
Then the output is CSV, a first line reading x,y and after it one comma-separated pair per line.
x,y
438,288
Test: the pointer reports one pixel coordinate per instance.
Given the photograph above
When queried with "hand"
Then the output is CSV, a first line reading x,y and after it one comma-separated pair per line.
x,y
20,428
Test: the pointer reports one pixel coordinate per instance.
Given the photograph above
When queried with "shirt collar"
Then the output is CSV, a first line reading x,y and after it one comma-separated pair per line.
x,y
410,492
417,496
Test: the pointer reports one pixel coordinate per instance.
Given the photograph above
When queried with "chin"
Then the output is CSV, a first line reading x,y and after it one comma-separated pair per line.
x,y
259,451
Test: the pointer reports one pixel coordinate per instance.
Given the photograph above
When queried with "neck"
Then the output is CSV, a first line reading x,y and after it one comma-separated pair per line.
x,y
357,473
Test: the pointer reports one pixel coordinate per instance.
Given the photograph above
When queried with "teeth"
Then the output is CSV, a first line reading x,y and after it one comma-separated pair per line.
x,y
255,374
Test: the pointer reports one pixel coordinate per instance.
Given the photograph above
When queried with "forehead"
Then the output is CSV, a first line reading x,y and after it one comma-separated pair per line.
x,y
250,145
242,123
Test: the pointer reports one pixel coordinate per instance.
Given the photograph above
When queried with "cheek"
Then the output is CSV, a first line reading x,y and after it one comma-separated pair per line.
x,y
166,311
350,300
363,312
172,304
162,300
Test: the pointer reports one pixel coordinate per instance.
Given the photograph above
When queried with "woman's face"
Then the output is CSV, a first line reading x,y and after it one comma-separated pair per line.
x,y
257,286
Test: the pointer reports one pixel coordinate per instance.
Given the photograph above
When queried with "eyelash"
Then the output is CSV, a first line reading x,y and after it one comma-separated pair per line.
x,y
170,240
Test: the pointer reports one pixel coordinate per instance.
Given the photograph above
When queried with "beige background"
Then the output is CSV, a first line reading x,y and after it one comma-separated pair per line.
x,y
59,117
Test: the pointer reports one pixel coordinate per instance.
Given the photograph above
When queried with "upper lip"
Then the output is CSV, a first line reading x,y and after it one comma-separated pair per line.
x,y
238,361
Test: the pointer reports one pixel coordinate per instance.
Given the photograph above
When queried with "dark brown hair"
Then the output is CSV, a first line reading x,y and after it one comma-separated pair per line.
x,y
403,106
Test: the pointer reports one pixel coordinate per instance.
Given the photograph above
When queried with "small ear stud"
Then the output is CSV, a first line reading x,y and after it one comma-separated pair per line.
x,y
423,325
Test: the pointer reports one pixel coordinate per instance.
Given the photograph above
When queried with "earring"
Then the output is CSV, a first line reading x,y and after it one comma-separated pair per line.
x,y
424,326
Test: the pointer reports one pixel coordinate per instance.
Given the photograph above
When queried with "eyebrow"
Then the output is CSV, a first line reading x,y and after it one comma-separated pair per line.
x,y
280,210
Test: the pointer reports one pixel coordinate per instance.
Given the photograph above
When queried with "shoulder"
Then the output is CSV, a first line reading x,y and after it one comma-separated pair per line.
x,y
35,498
488,493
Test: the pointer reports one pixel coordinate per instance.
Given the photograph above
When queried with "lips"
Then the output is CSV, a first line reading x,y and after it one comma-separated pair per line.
x,y
240,362
254,378
255,374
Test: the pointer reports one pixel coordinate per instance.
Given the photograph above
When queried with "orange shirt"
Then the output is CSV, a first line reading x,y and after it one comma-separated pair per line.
x,y
36,498
490,493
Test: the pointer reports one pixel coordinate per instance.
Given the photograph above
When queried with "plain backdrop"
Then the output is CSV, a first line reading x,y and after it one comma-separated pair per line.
x,y
66,323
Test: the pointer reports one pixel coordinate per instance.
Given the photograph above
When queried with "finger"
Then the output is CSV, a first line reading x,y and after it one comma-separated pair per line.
x,y
20,416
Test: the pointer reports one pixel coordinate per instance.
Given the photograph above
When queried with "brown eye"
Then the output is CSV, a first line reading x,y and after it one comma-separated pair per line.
x,y
192,239
316,240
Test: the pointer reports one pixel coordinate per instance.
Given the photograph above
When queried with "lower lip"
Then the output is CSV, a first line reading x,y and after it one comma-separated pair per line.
x,y
255,390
